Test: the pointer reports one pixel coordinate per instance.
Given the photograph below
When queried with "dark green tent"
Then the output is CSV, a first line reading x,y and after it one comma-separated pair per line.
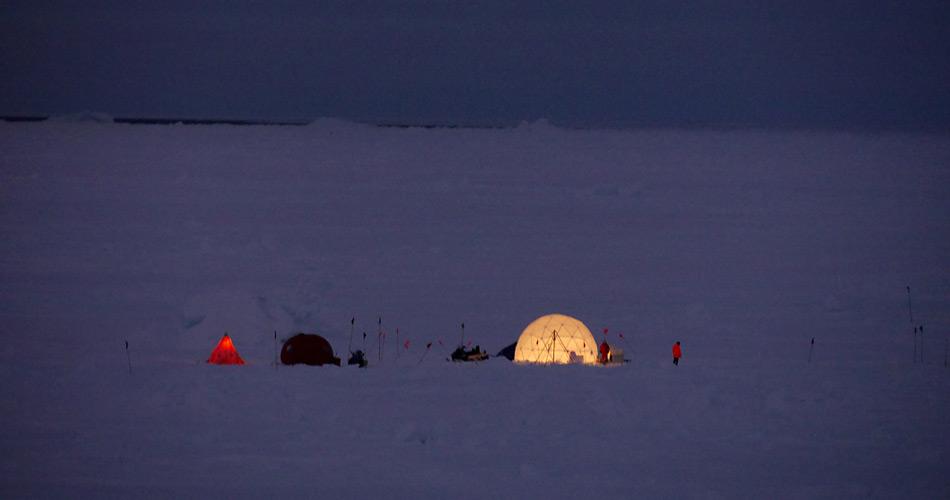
x,y
308,349
508,352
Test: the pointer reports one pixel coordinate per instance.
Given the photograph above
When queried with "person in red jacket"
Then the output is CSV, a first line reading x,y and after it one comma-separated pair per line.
x,y
604,352
677,353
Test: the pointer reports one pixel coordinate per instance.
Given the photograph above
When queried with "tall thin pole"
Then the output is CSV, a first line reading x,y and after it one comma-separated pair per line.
x,y
915,345
946,346
128,356
350,346
379,338
810,349
910,311
462,338
910,308
424,353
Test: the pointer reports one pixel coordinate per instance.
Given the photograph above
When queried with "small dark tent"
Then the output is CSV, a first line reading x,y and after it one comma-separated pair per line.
x,y
225,353
508,352
308,349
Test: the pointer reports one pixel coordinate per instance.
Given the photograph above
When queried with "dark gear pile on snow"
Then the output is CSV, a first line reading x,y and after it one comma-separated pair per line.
x,y
358,358
476,354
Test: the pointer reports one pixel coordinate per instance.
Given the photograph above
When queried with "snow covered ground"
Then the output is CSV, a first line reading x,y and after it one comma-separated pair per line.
x,y
743,245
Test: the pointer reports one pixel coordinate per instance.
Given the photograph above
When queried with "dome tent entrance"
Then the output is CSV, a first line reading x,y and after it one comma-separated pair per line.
x,y
557,339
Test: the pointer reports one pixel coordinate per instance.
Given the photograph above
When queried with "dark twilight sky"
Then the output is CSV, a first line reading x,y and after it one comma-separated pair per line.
x,y
801,64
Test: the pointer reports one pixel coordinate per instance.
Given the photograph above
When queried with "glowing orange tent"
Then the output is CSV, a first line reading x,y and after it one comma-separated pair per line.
x,y
225,353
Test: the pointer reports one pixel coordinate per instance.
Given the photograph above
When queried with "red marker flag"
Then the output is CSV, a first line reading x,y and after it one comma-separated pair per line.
x,y
406,344
605,331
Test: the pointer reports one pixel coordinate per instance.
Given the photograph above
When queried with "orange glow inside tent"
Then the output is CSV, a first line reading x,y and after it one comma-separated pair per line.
x,y
225,353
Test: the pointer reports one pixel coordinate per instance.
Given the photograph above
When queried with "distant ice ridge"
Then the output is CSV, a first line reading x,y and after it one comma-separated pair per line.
x,y
330,123
84,117
539,125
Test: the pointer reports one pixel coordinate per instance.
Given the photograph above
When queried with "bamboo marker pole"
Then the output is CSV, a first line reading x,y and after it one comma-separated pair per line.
x,y
128,356
946,347
429,345
915,345
379,339
910,311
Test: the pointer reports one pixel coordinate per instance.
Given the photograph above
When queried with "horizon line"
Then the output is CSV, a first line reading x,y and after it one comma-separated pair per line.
x,y
146,120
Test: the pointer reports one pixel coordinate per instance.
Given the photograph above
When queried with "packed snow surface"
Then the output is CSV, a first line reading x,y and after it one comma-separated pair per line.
x,y
742,245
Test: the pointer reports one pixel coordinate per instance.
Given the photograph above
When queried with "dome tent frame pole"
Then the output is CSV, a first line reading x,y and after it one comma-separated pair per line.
x,y
559,341
540,340
541,352
552,347
546,345
566,350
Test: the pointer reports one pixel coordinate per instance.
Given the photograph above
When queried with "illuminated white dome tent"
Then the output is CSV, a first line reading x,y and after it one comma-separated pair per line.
x,y
553,339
